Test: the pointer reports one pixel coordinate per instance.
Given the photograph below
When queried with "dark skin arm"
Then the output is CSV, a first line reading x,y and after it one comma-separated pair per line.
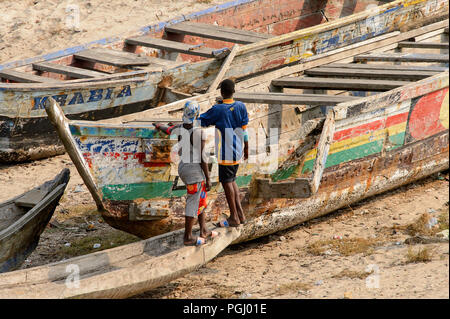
x,y
245,150
204,166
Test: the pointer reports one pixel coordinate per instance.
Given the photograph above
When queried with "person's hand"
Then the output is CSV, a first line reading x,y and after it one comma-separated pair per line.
x,y
208,185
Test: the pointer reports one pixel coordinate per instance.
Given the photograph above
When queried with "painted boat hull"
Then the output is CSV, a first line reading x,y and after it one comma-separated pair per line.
x,y
23,120
19,239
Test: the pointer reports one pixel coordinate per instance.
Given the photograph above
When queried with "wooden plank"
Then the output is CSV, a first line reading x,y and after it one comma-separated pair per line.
x,y
225,66
171,46
326,138
402,57
216,32
338,84
299,99
431,68
30,199
112,57
423,45
23,77
370,74
296,188
67,70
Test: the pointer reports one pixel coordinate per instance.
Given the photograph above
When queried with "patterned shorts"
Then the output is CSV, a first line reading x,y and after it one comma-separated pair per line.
x,y
196,199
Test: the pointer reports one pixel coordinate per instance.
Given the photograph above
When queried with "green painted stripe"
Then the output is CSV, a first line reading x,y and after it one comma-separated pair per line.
x,y
357,152
153,190
137,190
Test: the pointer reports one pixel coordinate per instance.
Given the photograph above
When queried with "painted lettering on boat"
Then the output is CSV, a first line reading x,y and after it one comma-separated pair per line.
x,y
95,95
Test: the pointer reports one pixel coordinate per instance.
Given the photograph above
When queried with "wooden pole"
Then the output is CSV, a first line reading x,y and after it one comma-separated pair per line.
x,y
56,116
225,66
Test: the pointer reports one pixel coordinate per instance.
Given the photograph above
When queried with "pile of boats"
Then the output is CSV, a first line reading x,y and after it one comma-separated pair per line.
x,y
348,108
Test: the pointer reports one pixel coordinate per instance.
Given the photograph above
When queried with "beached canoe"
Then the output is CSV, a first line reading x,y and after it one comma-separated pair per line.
x,y
323,147
380,142
24,218
162,63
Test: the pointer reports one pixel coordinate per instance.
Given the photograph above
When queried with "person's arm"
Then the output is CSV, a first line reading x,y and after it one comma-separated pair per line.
x,y
204,164
244,127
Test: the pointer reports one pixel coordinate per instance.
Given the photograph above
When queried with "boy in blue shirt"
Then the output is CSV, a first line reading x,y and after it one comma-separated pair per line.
x,y
230,119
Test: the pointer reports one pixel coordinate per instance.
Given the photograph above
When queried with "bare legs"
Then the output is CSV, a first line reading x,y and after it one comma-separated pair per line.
x,y
234,203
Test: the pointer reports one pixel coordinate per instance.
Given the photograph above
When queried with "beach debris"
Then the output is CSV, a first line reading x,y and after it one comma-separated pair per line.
x,y
337,237
432,222
318,282
67,244
245,295
282,238
96,246
78,189
90,227
443,234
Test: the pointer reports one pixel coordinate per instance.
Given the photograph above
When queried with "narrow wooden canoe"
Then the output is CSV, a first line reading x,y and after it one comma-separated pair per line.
x,y
24,218
123,76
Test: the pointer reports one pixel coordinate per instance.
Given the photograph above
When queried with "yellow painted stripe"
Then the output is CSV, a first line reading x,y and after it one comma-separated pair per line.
x,y
360,140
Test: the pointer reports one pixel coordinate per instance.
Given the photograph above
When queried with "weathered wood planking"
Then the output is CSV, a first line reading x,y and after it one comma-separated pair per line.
x,y
71,71
326,138
18,76
225,66
370,74
337,84
217,32
112,57
300,99
422,45
402,57
295,188
171,46
429,68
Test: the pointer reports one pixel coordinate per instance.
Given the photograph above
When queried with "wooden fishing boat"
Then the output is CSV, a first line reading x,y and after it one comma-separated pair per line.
x,y
127,165
165,62
377,121
24,218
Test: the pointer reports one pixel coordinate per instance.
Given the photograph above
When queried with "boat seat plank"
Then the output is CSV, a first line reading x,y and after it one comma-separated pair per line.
x,y
370,74
431,68
338,84
402,57
300,99
30,199
171,46
217,32
112,57
71,71
422,45
23,77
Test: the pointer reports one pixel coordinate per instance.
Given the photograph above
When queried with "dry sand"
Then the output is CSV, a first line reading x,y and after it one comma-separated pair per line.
x,y
33,27
278,266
